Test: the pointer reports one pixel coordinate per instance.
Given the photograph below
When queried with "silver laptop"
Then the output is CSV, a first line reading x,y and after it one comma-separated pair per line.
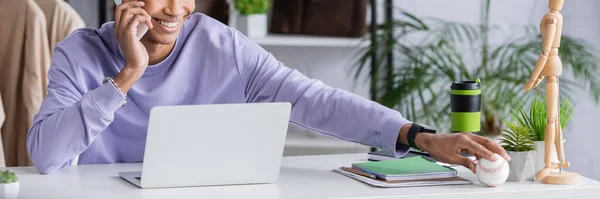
x,y
206,145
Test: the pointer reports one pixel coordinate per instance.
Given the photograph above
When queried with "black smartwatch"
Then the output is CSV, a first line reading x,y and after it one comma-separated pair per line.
x,y
416,129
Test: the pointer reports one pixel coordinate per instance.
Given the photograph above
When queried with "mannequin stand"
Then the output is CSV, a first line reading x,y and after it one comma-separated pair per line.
x,y
564,178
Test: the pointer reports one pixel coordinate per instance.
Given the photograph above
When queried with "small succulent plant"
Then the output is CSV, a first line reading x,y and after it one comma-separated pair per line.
x,y
249,7
517,138
8,177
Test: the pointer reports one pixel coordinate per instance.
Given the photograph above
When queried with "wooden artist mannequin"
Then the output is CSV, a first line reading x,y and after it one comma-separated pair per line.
x,y
549,66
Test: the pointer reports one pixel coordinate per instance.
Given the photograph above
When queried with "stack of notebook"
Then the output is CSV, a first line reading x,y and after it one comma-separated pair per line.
x,y
384,155
405,172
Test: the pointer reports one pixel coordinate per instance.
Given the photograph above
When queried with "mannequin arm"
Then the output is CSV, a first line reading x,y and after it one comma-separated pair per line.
x,y
547,39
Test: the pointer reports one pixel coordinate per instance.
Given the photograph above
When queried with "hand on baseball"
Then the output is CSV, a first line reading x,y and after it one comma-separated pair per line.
x,y
449,147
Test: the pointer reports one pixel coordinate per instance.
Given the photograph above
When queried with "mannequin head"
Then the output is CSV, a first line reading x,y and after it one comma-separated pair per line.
x,y
556,4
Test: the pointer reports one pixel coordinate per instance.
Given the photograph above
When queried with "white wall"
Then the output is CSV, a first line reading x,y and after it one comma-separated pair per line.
x,y
580,20
88,10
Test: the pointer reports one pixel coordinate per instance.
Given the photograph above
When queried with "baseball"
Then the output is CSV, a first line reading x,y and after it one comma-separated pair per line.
x,y
490,173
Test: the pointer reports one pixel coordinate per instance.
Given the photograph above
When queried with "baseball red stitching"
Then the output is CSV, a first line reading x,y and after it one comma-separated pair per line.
x,y
488,170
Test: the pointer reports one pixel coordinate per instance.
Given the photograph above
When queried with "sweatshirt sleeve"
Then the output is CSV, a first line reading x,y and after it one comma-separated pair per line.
x,y
68,120
316,106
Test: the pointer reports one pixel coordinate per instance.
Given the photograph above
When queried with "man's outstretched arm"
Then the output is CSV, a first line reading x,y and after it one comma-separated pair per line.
x,y
344,115
316,106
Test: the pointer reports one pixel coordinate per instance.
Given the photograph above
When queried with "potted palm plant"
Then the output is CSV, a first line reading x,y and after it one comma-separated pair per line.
x,y
518,141
9,185
252,18
535,120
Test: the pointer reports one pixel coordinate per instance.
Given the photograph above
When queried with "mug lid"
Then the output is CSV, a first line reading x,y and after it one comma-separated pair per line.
x,y
465,85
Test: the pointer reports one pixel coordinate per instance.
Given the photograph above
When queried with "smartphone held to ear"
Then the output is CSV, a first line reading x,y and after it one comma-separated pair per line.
x,y
142,27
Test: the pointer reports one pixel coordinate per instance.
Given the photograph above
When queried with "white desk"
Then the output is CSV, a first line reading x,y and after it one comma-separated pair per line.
x,y
301,177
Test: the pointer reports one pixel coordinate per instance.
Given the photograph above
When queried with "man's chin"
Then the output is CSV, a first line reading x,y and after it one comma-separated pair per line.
x,y
166,41
163,40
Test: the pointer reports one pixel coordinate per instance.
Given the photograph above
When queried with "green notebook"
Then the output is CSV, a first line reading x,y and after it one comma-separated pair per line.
x,y
413,168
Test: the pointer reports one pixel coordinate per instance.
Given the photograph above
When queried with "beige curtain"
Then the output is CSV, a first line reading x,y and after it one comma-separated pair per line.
x,y
24,59
26,44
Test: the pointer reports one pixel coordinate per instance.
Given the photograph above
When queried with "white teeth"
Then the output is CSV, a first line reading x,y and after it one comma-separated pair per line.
x,y
168,24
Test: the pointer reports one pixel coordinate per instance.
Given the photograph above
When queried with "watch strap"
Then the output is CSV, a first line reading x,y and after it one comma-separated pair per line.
x,y
412,133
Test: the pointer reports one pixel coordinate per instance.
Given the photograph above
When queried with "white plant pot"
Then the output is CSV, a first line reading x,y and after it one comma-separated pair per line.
x,y
252,25
9,191
522,166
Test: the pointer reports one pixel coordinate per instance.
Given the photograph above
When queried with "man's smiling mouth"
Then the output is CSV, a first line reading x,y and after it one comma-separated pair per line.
x,y
167,24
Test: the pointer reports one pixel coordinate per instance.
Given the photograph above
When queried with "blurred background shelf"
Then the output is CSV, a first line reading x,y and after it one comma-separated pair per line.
x,y
311,41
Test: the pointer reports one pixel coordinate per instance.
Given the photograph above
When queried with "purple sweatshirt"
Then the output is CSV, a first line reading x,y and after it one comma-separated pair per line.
x,y
210,64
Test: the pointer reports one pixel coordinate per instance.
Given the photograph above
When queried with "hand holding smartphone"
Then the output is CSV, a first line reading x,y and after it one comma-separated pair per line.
x,y
131,23
142,27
